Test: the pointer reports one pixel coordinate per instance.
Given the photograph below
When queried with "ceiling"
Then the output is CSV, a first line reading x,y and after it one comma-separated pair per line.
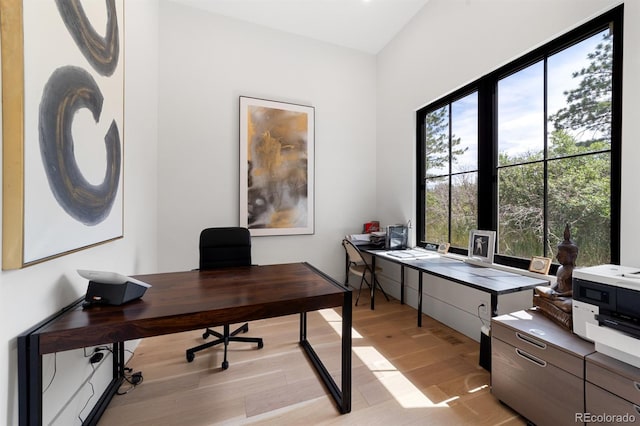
x,y
365,25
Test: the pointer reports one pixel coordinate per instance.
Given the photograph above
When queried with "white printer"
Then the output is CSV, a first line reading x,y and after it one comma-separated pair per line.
x,y
606,309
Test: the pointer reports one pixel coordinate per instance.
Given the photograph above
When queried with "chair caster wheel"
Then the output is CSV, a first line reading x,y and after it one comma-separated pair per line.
x,y
260,345
205,335
225,365
190,357
245,328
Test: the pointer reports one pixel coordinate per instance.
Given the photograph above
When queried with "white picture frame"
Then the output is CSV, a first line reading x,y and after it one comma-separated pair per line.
x,y
482,245
276,197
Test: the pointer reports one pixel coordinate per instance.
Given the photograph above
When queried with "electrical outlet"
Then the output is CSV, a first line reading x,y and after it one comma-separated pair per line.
x,y
483,307
96,357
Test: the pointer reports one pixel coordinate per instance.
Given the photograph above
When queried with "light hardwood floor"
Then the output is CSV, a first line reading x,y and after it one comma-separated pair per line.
x,y
402,375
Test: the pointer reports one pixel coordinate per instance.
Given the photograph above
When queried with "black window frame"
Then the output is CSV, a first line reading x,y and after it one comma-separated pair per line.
x,y
486,87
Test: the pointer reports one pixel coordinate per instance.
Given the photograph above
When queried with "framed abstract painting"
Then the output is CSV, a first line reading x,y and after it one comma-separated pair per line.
x,y
277,141
63,123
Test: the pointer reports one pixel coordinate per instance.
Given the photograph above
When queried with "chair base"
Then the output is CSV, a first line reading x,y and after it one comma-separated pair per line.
x,y
224,339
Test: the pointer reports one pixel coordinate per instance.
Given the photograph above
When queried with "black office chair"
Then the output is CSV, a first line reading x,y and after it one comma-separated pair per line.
x,y
360,267
221,248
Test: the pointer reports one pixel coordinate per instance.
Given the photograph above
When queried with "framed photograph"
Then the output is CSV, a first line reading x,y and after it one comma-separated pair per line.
x,y
63,122
277,141
482,245
443,248
540,264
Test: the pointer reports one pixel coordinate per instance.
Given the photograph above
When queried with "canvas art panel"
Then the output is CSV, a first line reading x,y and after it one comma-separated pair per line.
x,y
276,167
72,104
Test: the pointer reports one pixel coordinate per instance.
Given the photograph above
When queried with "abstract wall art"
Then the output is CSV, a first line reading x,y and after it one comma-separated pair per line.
x,y
276,167
63,122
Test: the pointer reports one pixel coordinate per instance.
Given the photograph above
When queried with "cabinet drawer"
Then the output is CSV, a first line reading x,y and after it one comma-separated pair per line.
x,y
536,345
534,387
601,403
617,377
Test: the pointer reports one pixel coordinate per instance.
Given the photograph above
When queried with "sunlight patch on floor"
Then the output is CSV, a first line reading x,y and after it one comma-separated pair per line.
x,y
335,321
405,392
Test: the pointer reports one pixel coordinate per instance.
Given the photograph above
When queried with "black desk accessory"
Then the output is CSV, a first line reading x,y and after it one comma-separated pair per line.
x,y
110,288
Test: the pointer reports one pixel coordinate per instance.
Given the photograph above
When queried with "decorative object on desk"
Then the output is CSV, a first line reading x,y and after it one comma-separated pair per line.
x,y
556,301
276,167
540,264
567,256
373,226
482,245
443,248
397,236
63,113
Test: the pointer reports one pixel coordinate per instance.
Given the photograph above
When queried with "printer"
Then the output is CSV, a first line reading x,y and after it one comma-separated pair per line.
x,y
606,310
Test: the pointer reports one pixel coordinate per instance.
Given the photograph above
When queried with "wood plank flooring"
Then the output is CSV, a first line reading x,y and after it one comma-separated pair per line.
x,y
402,375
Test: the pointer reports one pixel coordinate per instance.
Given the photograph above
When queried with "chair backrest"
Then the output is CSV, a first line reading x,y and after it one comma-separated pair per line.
x,y
224,247
353,252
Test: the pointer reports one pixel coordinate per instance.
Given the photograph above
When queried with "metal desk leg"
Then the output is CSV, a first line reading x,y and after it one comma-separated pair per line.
x,y
341,397
373,281
494,305
401,284
419,298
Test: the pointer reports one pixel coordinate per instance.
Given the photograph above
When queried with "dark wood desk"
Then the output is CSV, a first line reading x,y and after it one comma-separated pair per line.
x,y
483,278
184,301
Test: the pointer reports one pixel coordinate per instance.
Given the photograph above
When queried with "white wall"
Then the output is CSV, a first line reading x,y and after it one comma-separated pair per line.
x,y
181,141
450,43
207,61
31,294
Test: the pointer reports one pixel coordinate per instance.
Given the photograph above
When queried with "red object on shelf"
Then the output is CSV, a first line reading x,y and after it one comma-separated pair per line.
x,y
373,226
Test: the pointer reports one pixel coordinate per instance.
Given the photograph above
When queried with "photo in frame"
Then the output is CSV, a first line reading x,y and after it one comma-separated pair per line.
x,y
443,248
63,127
482,245
277,141
540,264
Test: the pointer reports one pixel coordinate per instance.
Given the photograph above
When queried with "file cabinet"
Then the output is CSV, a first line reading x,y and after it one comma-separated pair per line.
x,y
538,368
612,391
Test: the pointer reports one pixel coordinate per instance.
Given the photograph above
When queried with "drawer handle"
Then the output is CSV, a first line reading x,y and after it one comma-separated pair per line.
x,y
636,408
637,385
531,358
531,341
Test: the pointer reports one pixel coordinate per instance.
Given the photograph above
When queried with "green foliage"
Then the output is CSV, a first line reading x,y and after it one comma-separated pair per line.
x,y
578,177
437,141
588,109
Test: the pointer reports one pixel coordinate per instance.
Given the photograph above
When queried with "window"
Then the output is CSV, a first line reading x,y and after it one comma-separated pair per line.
x,y
451,171
529,148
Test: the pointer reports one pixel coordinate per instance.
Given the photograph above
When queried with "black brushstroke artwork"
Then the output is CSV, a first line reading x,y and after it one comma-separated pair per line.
x,y
68,90
101,52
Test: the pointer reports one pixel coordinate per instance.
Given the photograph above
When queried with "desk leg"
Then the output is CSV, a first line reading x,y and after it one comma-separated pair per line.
x,y
29,380
401,284
494,305
419,299
341,397
346,270
373,281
